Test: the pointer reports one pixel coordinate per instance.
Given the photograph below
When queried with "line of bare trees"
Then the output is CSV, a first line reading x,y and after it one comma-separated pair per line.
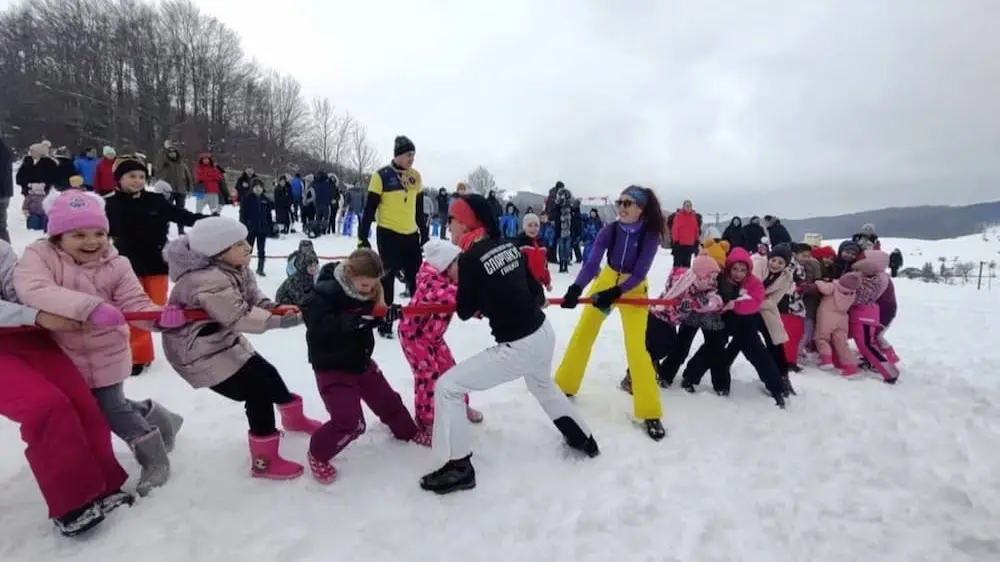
x,y
131,75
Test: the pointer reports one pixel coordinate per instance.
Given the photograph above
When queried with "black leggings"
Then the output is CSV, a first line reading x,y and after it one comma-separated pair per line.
x,y
745,339
259,386
777,351
709,357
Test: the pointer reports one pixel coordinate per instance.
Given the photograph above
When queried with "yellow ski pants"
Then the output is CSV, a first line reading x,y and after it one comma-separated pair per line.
x,y
645,392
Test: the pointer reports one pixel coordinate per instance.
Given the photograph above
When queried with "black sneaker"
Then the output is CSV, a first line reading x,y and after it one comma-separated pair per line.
x,y
723,392
138,369
79,520
655,429
779,401
688,387
794,367
588,447
114,500
454,476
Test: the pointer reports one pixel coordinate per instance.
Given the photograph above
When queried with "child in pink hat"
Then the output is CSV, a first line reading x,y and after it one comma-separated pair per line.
x,y
77,274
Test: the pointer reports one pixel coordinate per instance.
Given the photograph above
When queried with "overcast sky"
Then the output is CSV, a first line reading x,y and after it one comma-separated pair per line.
x,y
793,107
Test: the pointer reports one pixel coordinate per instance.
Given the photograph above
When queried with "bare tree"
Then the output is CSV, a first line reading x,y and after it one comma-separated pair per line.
x,y
341,138
364,158
481,181
324,121
132,74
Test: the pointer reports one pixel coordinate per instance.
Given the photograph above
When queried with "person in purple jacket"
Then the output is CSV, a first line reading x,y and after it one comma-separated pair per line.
x,y
630,244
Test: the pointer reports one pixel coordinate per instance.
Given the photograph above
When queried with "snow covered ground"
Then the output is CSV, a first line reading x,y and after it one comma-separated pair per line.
x,y
853,470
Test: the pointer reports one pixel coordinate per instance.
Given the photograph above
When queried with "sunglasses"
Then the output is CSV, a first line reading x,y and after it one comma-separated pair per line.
x,y
624,203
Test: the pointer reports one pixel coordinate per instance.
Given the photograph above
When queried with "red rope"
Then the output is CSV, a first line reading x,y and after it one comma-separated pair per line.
x,y
325,258
420,309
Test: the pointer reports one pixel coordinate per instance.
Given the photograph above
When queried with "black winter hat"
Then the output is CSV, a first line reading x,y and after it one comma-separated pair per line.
x,y
403,145
481,208
799,247
783,251
256,182
126,164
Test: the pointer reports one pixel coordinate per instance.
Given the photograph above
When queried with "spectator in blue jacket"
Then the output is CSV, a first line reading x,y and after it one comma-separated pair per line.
x,y
324,187
297,187
86,165
255,214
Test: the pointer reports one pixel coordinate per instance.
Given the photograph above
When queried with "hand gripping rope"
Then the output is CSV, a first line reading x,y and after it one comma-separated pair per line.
x,y
423,309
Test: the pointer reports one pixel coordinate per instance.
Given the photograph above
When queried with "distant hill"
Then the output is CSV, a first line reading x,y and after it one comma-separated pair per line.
x,y
918,223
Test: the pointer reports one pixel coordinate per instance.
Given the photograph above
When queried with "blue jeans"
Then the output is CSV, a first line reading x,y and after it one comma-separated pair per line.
x,y
564,251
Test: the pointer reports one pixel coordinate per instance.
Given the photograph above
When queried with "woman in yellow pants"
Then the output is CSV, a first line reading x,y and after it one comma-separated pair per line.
x,y
630,244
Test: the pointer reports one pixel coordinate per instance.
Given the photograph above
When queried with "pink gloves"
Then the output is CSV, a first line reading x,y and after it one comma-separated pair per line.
x,y
171,317
106,315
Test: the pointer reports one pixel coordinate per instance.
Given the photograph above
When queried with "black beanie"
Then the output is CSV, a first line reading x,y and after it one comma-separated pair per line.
x,y
783,251
256,181
402,146
126,164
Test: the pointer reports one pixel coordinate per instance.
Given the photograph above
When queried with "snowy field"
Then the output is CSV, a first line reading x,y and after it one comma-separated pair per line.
x,y
853,470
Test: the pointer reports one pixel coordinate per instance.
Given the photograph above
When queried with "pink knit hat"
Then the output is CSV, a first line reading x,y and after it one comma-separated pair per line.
x,y
704,265
72,210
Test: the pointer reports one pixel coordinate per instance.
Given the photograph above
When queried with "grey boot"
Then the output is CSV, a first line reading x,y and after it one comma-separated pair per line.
x,y
166,421
151,453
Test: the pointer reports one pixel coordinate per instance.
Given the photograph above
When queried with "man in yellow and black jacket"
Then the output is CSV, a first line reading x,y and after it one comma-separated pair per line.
x,y
395,196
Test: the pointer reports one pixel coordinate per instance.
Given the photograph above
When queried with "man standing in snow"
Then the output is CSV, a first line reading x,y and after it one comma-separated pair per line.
x,y
395,196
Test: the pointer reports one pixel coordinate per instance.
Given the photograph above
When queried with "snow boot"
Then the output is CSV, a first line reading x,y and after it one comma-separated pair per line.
x,y
786,386
293,418
151,453
323,472
79,520
260,268
655,429
473,415
850,371
138,369
166,421
688,387
826,362
265,462
626,382
454,476
114,500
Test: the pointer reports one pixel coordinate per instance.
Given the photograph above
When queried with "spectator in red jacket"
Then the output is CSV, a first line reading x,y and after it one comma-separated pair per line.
x,y
685,230
104,176
534,251
207,179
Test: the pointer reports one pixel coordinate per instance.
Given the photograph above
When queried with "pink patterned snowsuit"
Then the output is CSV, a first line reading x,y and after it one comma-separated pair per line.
x,y
833,327
865,315
422,339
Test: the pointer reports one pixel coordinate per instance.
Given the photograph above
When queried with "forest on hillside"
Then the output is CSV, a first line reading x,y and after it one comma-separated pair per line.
x,y
130,74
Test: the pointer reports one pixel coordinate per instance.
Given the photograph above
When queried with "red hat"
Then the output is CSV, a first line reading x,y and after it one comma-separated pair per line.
x,y
824,252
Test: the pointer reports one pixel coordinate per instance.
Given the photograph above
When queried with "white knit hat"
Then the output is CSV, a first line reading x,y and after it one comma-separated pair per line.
x,y
530,218
440,253
213,235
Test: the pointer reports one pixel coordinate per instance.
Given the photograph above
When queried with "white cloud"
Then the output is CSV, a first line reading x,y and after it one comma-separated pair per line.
x,y
784,106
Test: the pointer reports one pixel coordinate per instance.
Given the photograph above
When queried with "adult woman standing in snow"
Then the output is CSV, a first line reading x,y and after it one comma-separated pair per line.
x,y
631,243
685,230
494,282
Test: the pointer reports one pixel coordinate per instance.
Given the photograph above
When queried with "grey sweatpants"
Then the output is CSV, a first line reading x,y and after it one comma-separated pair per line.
x,y
127,418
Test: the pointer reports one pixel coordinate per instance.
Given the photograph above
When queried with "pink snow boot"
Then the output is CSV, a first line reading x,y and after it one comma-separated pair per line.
x,y
293,418
265,462
826,362
323,472
473,415
850,371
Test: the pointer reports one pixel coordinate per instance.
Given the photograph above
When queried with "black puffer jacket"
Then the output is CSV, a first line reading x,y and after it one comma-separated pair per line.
x,y
331,314
6,169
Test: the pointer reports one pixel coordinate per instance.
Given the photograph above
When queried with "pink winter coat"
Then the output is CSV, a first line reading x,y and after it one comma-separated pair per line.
x,y
433,287
207,352
46,278
751,295
832,315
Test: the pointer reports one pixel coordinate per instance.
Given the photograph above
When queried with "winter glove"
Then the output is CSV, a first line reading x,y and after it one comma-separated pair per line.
x,y
366,322
171,317
363,243
107,316
604,299
290,320
572,296
390,313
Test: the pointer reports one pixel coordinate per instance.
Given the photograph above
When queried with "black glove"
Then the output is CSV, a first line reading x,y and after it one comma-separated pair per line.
x,y
392,313
365,322
364,243
572,296
604,299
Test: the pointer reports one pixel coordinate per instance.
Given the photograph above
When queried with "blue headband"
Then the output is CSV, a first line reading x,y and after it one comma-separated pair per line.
x,y
637,194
